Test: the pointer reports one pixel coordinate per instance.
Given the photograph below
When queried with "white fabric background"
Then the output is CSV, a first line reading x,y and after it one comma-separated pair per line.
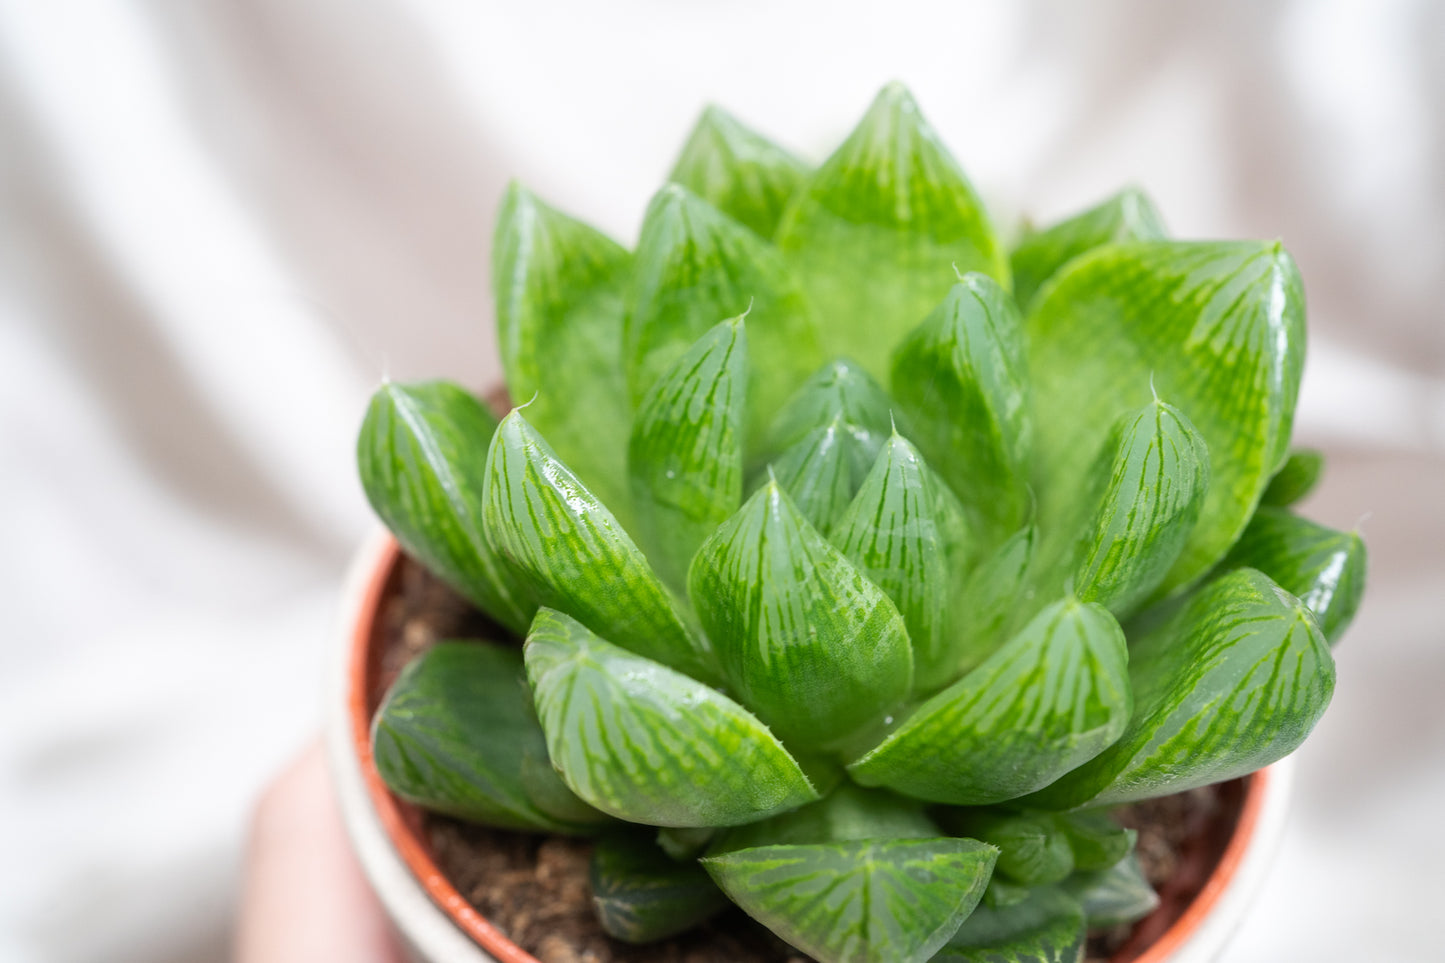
x,y
221,221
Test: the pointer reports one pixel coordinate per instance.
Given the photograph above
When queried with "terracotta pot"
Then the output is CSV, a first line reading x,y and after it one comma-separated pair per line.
x,y
439,926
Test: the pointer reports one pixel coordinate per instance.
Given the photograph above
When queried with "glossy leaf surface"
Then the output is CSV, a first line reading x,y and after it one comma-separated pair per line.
x,y
648,744
641,894
822,472
1323,567
961,378
1127,216
1113,896
1046,927
457,734
1298,477
1052,698
839,390
685,459
738,171
894,534
808,642
867,901
876,232
559,287
574,554
422,459
1218,326
1233,682
696,266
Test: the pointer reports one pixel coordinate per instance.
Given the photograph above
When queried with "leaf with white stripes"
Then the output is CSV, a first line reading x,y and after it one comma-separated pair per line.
x,y
686,455
864,901
575,556
422,460
1231,683
804,638
649,744
1050,699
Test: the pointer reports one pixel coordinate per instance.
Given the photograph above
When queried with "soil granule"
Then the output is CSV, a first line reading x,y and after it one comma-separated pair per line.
x,y
535,889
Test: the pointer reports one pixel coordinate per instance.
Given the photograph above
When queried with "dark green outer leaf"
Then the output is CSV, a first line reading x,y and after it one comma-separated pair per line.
x,y
1157,471
559,288
841,390
1047,927
1114,896
1219,326
1052,698
807,642
1323,567
893,533
1298,477
738,171
456,734
960,376
686,455
422,460
694,267
573,553
868,901
1097,841
1232,683
641,895
876,233
648,744
1127,216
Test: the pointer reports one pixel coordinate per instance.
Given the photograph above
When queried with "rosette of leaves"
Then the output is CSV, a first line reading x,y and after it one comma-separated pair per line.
x,y
846,566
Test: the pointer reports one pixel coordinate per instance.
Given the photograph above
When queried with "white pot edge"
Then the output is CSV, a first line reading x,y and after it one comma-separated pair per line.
x,y
431,936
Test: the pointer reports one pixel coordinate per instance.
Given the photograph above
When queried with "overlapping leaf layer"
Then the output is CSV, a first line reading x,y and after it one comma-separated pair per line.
x,y
861,556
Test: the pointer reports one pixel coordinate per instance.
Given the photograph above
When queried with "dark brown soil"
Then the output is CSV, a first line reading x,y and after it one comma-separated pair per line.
x,y
534,888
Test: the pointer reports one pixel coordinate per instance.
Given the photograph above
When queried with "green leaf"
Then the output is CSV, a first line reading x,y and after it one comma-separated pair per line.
x,y
878,231
1047,927
641,895
995,598
894,534
1096,840
1127,216
1115,896
807,642
575,556
848,813
1154,474
821,473
456,734
1218,326
960,376
865,901
1298,477
1321,566
686,454
684,842
1233,682
695,266
738,171
1033,849
1052,698
840,390
559,288
422,460
648,744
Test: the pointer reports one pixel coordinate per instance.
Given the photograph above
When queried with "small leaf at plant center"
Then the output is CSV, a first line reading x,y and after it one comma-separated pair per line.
x,y
738,171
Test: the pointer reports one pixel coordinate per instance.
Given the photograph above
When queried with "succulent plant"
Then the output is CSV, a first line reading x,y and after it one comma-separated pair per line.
x,y
862,563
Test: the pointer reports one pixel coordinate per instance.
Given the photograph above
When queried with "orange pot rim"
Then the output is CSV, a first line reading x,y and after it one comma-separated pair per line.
x,y
414,852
